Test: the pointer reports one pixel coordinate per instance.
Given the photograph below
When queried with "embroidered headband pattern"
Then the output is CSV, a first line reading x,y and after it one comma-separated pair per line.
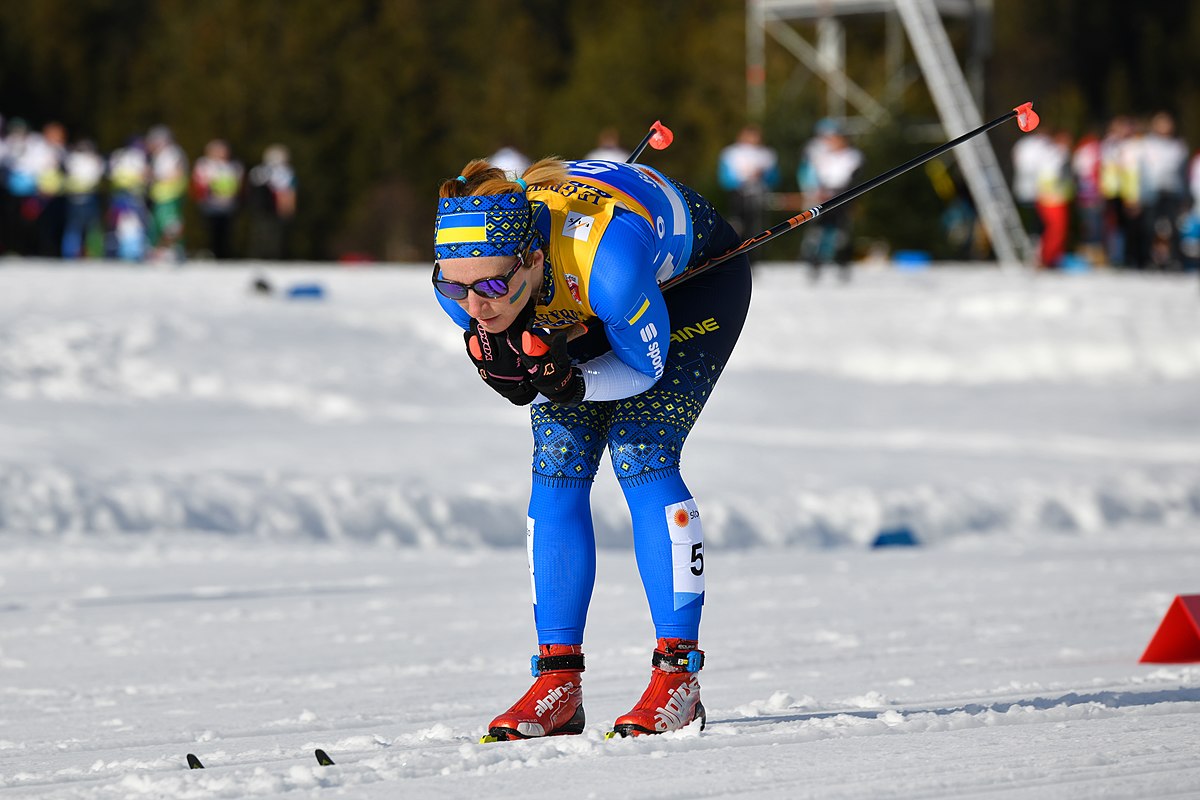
x,y
482,225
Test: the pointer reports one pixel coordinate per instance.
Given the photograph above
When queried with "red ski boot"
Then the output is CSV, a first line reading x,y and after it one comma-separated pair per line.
x,y
672,700
553,706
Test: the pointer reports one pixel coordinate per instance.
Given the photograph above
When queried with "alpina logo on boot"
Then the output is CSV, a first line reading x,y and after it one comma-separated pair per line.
x,y
677,711
553,698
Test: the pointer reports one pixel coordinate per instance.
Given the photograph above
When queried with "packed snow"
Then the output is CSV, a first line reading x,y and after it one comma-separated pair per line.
x,y
245,525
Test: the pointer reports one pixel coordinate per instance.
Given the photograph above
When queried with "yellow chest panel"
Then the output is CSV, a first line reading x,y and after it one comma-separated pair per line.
x,y
579,212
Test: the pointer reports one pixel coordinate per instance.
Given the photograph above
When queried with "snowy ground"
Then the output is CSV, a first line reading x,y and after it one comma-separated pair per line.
x,y
245,527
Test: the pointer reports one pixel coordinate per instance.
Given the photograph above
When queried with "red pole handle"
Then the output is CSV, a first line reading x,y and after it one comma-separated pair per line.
x,y
533,345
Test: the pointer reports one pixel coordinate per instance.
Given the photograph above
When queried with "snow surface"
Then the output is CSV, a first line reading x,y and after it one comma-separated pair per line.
x,y
244,527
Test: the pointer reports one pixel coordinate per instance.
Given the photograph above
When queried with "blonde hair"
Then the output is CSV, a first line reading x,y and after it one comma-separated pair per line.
x,y
479,177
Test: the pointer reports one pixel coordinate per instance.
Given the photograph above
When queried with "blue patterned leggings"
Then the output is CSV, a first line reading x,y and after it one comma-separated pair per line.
x,y
644,435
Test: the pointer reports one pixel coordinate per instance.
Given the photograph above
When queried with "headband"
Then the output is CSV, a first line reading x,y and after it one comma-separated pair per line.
x,y
482,225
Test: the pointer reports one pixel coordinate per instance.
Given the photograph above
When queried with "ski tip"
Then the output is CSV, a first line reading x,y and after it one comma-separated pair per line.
x,y
488,738
323,758
193,762
612,735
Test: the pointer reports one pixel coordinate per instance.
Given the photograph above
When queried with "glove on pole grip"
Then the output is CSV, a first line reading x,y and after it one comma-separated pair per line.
x,y
499,365
550,369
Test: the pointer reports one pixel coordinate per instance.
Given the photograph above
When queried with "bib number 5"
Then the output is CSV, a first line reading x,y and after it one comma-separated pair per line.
x,y
687,551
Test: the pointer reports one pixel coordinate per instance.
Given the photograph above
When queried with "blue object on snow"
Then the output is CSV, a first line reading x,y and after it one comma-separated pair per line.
x,y
895,537
911,259
306,291
1074,265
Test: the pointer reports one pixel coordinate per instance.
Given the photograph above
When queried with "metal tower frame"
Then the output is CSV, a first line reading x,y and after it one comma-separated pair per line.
x,y
954,94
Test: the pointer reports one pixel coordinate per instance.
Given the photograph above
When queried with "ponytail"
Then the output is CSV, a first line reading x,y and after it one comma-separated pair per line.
x,y
479,177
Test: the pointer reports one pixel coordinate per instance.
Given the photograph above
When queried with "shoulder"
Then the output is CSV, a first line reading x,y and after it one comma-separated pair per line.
x,y
624,254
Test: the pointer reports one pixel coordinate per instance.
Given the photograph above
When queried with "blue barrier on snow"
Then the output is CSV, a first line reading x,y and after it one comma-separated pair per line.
x,y
911,259
895,537
1074,265
306,291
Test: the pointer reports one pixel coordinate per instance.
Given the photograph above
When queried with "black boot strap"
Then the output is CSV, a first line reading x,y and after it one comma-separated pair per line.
x,y
571,661
686,661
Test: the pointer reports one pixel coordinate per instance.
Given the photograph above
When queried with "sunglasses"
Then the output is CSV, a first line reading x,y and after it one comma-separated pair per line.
x,y
491,288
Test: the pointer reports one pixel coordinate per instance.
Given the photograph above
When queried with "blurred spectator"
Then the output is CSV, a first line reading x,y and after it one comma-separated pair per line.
x,y
1089,201
1194,182
168,187
960,221
216,185
828,168
52,204
272,203
1190,235
22,206
1027,155
510,159
3,186
84,174
608,147
1112,179
1054,192
746,170
128,175
1163,191
1131,164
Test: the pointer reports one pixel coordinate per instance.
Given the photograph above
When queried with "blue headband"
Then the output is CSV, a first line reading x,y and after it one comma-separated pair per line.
x,y
482,225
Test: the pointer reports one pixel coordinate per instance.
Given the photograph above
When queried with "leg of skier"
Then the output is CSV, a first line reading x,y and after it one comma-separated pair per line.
x,y
646,438
568,443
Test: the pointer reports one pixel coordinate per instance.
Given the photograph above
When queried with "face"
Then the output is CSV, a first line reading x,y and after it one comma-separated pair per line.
x,y
495,315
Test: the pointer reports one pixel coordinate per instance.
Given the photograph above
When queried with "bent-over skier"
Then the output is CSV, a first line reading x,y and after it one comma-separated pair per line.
x,y
554,276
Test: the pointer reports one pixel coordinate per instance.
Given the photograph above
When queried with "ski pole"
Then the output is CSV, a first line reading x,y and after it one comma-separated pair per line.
x,y
659,137
1027,120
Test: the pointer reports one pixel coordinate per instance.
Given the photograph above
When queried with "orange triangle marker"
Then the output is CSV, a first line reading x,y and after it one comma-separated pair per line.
x,y
1177,640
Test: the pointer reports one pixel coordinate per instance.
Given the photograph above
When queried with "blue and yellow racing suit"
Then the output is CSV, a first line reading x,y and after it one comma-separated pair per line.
x,y
610,235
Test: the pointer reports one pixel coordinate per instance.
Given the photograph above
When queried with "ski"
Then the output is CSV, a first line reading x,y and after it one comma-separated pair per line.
x,y
322,758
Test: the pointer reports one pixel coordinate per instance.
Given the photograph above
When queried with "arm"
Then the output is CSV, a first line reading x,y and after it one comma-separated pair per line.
x,y
728,179
607,377
626,297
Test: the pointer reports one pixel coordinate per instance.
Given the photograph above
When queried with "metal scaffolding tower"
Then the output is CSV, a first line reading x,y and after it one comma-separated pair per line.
x,y
954,95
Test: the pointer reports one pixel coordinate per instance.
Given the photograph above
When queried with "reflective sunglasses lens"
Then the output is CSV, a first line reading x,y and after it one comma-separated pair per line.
x,y
451,290
492,287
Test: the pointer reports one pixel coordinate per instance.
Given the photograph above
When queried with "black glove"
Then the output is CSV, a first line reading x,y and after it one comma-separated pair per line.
x,y
499,365
549,367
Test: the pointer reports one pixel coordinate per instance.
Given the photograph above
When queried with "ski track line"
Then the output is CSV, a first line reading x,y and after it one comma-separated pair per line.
x,y
1115,696
441,751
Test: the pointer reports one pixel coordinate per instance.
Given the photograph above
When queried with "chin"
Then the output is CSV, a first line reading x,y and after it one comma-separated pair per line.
x,y
495,325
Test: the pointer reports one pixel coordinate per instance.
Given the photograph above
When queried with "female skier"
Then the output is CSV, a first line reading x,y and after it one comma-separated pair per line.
x,y
554,276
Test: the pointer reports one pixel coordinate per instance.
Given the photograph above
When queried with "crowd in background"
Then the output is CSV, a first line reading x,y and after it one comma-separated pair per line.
x,y
1128,196
66,199
608,148
748,172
